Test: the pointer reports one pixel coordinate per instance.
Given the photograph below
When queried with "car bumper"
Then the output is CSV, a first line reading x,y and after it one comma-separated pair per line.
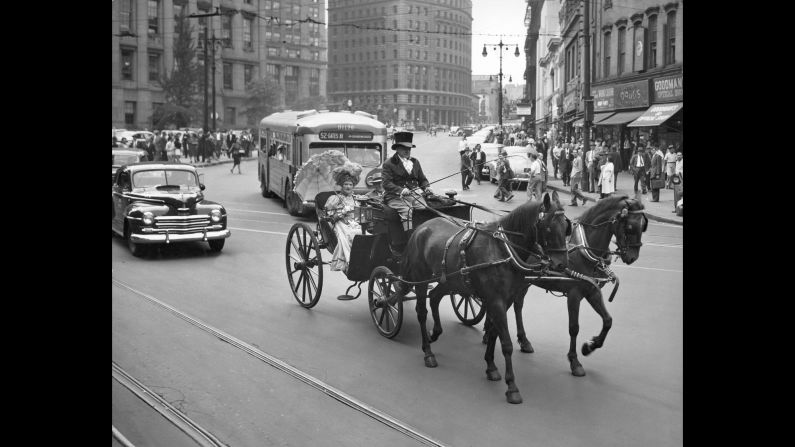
x,y
169,237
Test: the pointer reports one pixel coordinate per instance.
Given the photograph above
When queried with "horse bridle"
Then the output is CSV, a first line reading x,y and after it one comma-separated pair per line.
x,y
542,240
621,243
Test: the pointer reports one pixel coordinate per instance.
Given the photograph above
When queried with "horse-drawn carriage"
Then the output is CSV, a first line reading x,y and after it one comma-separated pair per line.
x,y
371,259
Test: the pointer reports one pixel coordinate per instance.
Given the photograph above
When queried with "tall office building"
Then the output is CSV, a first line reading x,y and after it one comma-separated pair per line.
x,y
255,37
403,60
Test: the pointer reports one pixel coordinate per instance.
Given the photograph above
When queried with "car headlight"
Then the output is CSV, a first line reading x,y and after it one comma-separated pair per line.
x,y
215,215
148,218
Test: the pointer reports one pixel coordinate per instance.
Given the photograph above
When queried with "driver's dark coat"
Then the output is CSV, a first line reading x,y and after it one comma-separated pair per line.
x,y
396,177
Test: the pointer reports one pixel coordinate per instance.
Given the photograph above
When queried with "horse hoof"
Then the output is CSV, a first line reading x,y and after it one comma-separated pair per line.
x,y
513,397
526,347
430,361
587,349
577,371
494,375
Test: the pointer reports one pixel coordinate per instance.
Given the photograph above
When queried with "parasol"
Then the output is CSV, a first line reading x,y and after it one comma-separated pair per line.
x,y
315,177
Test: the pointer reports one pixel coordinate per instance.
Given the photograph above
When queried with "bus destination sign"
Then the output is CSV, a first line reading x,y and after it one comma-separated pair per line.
x,y
345,135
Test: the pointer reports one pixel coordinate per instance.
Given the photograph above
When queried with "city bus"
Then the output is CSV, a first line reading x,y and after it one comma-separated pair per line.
x,y
288,139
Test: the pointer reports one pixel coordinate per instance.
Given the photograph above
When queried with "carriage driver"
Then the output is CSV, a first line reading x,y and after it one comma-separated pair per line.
x,y
403,180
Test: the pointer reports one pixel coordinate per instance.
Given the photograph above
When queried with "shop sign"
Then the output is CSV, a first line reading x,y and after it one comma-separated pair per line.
x,y
603,98
632,95
570,101
524,109
668,88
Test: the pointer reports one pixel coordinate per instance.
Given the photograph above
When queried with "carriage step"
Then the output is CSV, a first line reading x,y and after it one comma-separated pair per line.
x,y
346,297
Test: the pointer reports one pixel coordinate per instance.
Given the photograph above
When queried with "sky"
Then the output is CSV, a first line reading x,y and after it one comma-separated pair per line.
x,y
492,20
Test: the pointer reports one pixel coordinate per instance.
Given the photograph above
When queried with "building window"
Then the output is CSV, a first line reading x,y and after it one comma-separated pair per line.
x,y
248,74
606,67
227,75
129,113
652,54
314,82
126,15
152,13
154,67
671,41
291,83
622,52
127,57
226,30
273,52
637,33
248,31
231,116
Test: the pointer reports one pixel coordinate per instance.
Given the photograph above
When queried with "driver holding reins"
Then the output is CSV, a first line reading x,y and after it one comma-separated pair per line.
x,y
403,180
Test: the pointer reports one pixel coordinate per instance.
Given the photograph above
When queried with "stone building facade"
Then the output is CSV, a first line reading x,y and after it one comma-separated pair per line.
x,y
402,60
255,37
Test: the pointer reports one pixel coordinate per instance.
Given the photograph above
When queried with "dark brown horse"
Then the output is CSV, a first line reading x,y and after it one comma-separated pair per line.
x,y
589,260
497,275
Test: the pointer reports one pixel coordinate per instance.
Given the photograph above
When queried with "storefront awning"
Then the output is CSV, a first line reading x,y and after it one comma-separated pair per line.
x,y
601,116
579,123
621,118
656,115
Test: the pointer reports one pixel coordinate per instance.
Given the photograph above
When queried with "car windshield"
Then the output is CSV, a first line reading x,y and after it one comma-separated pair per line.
x,y
123,159
165,178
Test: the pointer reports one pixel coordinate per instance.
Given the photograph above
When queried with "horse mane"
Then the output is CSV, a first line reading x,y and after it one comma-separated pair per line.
x,y
521,219
606,208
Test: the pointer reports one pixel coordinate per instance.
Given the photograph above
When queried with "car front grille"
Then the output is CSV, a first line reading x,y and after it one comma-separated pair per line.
x,y
182,224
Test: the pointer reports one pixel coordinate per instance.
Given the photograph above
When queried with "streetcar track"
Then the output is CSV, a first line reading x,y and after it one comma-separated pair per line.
x,y
176,417
646,268
284,367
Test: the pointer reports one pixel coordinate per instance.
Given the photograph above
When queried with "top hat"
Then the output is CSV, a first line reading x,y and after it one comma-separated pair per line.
x,y
403,139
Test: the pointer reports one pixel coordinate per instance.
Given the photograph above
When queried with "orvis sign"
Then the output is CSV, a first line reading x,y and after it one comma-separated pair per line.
x,y
668,89
632,95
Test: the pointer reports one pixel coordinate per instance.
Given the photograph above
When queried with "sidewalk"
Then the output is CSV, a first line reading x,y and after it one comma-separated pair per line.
x,y
212,161
662,211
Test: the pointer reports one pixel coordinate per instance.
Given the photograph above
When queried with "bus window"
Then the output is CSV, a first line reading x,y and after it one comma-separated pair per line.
x,y
319,148
366,154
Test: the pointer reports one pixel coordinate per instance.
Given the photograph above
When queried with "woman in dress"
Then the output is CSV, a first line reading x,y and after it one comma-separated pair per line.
x,y
606,178
340,208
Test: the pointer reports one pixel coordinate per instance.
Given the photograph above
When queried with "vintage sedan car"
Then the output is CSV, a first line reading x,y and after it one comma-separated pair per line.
x,y
163,203
520,164
125,157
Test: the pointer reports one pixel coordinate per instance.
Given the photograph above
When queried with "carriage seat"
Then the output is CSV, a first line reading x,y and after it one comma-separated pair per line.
x,y
325,224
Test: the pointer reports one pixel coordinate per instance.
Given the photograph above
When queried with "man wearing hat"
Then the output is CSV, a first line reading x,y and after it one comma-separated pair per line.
x,y
466,167
638,165
378,188
403,180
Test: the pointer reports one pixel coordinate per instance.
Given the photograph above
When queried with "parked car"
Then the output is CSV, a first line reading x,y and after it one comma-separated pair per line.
x,y
453,131
125,157
163,203
520,164
130,137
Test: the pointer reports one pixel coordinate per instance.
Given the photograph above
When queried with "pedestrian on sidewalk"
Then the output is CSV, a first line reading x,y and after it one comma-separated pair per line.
x,y
638,165
680,166
478,161
606,177
564,164
576,177
504,174
237,152
170,149
618,163
556,157
656,174
670,166
590,169
534,186
466,168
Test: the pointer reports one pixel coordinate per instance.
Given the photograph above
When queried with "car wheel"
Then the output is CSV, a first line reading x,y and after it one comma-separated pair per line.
x,y
216,245
137,250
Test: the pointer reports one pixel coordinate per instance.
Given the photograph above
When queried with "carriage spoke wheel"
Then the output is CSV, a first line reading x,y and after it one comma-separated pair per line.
x,y
386,308
304,265
468,308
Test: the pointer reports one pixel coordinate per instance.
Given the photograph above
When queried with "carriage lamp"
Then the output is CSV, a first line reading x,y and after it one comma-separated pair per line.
x,y
215,215
364,214
148,218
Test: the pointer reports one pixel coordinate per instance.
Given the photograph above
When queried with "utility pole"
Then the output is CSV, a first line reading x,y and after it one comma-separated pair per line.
x,y
206,64
586,92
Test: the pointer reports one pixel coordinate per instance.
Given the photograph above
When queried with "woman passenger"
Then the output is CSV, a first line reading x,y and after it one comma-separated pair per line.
x,y
340,208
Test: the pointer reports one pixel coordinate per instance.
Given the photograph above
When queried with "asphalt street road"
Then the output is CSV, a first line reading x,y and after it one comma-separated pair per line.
x,y
632,394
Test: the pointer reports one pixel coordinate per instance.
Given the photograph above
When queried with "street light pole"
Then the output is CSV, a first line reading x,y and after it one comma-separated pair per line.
x,y
206,66
588,100
516,53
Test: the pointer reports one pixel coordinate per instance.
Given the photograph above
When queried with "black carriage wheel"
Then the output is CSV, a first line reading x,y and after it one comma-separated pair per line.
x,y
469,309
304,265
385,310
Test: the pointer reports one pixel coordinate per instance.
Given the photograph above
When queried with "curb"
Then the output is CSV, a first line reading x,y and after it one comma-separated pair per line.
x,y
649,215
218,162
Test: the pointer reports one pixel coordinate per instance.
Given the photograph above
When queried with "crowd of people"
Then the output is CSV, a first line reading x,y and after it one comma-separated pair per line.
x,y
169,145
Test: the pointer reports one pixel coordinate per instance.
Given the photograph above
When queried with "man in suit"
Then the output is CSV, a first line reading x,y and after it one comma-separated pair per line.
x,y
466,168
478,161
638,165
404,183
656,172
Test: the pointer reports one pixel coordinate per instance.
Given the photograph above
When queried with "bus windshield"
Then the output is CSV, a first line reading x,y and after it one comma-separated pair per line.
x,y
366,154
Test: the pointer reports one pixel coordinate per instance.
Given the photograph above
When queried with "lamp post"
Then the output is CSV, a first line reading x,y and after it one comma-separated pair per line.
x,y
516,53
